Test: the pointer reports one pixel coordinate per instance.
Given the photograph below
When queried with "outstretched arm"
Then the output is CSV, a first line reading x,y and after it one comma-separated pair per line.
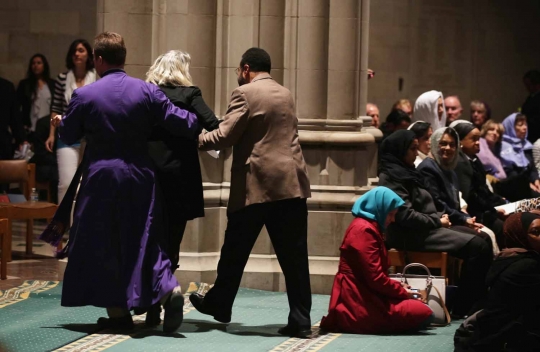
x,y
233,125
177,121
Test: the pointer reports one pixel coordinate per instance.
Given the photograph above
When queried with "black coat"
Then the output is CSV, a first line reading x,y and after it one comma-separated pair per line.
x,y
511,316
531,109
418,225
472,184
9,119
24,99
443,187
177,159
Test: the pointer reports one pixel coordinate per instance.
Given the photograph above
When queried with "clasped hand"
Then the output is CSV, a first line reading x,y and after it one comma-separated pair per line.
x,y
471,223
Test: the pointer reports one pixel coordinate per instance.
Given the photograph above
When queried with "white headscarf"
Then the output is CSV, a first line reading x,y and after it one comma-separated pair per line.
x,y
425,109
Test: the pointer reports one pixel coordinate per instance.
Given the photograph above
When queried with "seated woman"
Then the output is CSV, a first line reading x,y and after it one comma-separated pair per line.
x,y
420,227
429,107
364,299
490,147
516,155
510,320
480,113
472,179
440,178
423,132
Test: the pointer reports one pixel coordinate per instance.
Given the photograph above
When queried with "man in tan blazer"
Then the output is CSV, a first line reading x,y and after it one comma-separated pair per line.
x,y
269,187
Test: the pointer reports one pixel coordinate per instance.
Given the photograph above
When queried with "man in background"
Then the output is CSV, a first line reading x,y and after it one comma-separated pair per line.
x,y
531,106
373,111
453,109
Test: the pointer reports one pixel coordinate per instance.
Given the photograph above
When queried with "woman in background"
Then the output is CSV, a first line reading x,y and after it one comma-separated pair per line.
x,y
480,113
423,132
517,159
80,65
429,107
34,96
364,299
490,148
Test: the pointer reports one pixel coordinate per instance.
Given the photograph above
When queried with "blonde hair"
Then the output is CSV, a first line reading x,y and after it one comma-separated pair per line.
x,y
400,103
170,69
492,125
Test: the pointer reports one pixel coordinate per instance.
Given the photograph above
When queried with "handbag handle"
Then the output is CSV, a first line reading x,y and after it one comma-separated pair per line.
x,y
429,278
416,265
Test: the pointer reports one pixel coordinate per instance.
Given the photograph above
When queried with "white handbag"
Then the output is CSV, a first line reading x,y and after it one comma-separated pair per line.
x,y
432,290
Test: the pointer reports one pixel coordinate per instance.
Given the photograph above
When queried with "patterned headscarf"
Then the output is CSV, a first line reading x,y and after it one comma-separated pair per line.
x,y
516,229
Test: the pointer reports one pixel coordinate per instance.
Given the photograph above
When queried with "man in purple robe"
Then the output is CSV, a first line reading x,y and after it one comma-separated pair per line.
x,y
115,260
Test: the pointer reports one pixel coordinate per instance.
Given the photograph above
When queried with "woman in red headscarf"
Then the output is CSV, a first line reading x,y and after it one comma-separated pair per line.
x,y
510,320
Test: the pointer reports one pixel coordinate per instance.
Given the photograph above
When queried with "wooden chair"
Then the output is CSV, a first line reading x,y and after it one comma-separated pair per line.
x,y
4,229
46,186
12,171
438,260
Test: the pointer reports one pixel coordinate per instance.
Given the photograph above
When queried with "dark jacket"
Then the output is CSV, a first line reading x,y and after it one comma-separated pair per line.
x,y
24,99
9,119
443,187
46,166
531,109
511,316
472,184
418,225
177,159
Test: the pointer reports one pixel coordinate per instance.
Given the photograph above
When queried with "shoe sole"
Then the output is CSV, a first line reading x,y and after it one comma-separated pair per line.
x,y
174,314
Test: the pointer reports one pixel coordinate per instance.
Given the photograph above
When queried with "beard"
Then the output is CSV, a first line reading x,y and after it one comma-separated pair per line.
x,y
240,80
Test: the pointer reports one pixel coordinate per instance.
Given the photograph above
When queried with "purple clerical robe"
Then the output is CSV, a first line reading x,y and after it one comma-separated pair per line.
x,y
114,256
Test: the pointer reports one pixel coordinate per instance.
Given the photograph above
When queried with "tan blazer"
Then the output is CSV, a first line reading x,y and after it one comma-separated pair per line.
x,y
261,126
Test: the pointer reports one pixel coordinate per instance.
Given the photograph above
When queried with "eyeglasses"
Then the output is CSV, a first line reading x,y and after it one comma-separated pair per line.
x,y
237,70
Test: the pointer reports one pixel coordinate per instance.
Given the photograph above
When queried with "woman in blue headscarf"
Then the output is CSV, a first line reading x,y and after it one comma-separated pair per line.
x,y
364,299
516,153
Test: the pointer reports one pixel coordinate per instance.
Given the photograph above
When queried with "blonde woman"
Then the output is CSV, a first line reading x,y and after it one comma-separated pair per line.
x,y
177,160
178,172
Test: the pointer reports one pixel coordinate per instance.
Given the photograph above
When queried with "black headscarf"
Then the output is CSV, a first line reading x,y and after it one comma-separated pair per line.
x,y
393,150
463,128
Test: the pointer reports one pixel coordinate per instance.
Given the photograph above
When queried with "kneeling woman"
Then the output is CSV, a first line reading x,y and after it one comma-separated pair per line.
x,y
364,299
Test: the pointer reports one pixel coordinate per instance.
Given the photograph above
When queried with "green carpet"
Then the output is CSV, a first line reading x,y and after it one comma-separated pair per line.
x,y
39,323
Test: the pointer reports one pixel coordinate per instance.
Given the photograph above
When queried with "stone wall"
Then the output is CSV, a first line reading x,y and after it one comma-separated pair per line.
x,y
41,26
477,49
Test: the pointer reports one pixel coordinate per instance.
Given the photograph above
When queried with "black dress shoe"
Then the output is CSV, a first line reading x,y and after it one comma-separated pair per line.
x,y
300,332
198,302
153,317
122,323
174,312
